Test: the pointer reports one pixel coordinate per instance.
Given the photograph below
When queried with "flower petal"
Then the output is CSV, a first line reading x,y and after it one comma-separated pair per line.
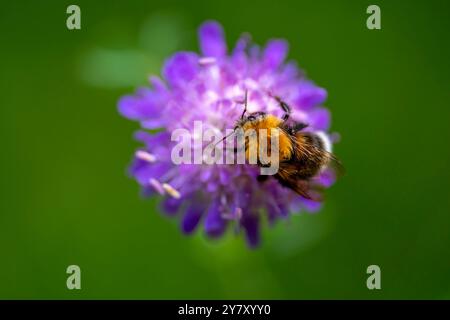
x,y
191,218
310,95
212,42
250,222
239,56
311,206
142,171
224,177
157,144
171,205
214,223
326,178
137,107
158,85
275,53
273,212
319,119
145,105
181,68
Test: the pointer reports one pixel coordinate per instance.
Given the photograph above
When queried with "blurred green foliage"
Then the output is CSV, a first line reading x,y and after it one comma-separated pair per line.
x,y
66,199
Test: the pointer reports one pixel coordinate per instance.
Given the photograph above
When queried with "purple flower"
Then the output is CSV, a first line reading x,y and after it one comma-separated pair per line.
x,y
210,87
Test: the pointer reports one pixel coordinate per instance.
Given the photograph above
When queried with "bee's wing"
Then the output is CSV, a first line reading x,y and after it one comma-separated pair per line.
x,y
309,190
305,188
308,145
288,171
335,165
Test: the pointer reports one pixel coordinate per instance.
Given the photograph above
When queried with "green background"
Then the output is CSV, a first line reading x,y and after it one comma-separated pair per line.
x,y
66,199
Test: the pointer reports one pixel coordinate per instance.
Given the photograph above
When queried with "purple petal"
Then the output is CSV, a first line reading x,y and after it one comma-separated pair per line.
x,y
250,222
214,223
153,123
239,56
254,51
311,206
319,119
191,218
137,107
296,204
224,177
205,175
148,191
158,85
156,144
143,171
275,53
327,178
145,105
310,95
273,212
139,169
290,71
212,42
212,186
171,205
181,68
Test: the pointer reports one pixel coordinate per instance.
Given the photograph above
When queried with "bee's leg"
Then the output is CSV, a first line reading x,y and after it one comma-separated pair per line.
x,y
262,178
298,126
285,107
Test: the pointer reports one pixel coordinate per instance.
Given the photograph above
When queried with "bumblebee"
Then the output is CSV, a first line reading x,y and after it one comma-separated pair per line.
x,y
302,154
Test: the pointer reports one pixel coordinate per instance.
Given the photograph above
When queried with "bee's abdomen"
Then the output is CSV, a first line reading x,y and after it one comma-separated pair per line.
x,y
311,154
315,141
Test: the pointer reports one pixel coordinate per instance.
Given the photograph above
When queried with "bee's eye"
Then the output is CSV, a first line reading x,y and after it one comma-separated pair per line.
x,y
251,118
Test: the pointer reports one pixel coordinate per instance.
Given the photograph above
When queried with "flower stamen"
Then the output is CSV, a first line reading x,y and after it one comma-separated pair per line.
x,y
156,185
146,156
171,191
206,61
238,214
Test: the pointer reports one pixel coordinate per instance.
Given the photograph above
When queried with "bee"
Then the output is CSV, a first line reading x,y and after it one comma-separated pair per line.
x,y
302,154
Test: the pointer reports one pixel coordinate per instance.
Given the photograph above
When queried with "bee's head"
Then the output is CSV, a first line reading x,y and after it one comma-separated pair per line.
x,y
250,118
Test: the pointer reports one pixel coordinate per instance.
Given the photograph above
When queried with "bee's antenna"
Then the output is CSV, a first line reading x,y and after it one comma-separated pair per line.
x,y
245,104
224,137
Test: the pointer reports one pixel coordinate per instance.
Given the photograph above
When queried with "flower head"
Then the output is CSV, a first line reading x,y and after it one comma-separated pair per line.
x,y
209,87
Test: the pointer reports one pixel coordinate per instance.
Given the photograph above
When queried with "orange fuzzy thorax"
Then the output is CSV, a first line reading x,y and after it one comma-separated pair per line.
x,y
270,122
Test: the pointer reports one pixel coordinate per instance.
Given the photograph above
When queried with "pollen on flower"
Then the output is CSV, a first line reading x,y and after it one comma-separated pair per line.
x,y
171,191
146,156
227,216
205,61
156,185
238,213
